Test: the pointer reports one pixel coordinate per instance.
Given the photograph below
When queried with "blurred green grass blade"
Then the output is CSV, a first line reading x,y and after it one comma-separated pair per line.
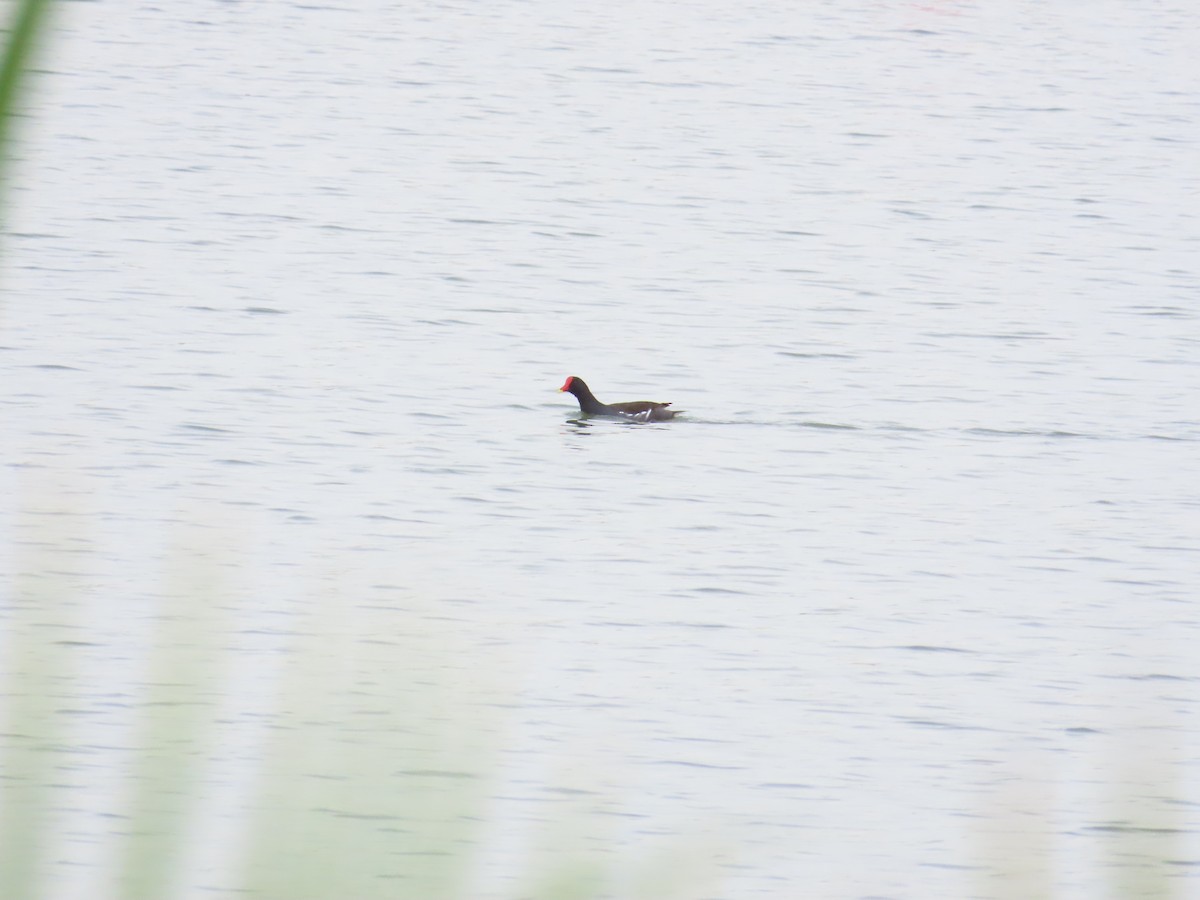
x,y
177,732
36,660
38,630
24,31
376,779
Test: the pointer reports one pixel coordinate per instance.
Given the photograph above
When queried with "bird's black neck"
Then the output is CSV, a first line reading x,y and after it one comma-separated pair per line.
x,y
587,400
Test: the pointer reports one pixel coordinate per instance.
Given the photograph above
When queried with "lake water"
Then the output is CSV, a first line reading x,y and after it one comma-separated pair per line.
x,y
905,605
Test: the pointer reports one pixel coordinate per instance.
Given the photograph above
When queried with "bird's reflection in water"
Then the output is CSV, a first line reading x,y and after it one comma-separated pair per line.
x,y
585,426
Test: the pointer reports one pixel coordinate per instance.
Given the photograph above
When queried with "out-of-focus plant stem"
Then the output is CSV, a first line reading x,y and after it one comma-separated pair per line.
x,y
22,37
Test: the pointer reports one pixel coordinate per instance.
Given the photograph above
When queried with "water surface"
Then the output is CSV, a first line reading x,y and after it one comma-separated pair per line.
x,y
288,291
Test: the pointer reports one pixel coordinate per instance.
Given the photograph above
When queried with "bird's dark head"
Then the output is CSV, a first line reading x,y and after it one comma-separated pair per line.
x,y
572,385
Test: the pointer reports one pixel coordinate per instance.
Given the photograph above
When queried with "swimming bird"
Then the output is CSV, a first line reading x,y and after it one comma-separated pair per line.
x,y
637,410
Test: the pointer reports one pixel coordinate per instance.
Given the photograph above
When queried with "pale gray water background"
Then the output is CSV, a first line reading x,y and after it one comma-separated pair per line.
x,y
916,575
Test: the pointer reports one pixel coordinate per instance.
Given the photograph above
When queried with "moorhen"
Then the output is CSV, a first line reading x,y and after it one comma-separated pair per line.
x,y
638,410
